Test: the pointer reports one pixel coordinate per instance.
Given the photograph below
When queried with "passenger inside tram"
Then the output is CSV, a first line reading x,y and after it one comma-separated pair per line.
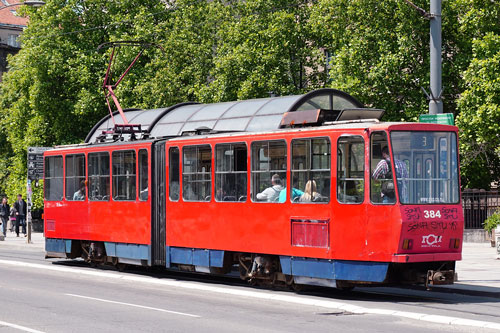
x,y
310,193
271,193
80,194
295,194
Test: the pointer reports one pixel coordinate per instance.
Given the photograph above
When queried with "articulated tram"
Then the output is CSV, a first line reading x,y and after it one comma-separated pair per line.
x,y
350,200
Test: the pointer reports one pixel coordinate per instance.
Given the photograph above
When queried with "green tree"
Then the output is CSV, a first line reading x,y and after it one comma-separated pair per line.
x,y
226,50
212,51
263,47
380,53
51,94
479,118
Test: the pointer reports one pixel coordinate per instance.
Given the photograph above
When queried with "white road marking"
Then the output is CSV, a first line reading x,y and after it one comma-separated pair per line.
x,y
19,327
263,295
134,305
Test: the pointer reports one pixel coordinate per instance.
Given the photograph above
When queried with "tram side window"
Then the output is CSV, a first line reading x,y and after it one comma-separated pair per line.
x,y
310,170
269,164
98,166
382,184
53,183
143,175
173,174
231,172
197,173
124,175
75,177
350,169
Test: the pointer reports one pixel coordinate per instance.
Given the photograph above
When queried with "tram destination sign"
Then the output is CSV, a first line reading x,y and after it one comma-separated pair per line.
x,y
442,118
35,162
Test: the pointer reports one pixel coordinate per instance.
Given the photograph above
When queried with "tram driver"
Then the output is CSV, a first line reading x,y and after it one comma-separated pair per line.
x,y
271,193
383,172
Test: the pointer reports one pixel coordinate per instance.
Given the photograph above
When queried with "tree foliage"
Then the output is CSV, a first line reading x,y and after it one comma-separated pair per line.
x,y
480,114
226,50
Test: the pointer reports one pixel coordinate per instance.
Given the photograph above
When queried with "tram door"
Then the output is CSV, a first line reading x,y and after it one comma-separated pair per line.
x,y
158,201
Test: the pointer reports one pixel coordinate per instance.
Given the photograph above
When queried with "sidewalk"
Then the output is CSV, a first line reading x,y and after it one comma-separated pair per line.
x,y
13,242
478,271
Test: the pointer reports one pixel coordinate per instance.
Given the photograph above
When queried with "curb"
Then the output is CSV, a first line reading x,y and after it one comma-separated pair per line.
x,y
453,290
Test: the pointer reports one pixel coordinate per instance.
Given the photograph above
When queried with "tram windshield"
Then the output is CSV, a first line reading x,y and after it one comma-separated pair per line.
x,y
432,165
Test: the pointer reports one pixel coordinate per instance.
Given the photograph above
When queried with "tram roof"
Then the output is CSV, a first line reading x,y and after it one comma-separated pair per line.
x,y
254,115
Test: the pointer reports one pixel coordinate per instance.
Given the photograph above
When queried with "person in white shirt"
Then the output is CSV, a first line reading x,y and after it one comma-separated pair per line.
x,y
271,193
80,194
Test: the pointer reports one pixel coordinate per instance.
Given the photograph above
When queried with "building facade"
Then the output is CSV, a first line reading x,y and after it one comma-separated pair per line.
x,y
11,27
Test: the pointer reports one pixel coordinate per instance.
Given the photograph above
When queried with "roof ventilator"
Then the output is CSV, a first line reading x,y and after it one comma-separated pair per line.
x,y
320,117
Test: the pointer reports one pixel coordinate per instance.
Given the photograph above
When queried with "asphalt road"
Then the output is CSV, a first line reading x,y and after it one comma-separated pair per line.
x,y
68,296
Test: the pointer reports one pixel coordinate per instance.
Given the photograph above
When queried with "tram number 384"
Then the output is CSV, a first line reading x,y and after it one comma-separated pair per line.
x,y
431,214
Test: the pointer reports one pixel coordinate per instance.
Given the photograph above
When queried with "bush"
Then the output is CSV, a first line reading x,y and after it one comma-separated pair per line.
x,y
493,221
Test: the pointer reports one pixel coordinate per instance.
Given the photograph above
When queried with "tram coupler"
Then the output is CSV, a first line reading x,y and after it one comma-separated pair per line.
x,y
435,278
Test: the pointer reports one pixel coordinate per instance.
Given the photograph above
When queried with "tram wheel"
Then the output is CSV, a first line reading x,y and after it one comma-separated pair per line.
x,y
121,267
344,286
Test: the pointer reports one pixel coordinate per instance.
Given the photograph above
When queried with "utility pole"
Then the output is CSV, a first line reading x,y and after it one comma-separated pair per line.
x,y
435,102
28,220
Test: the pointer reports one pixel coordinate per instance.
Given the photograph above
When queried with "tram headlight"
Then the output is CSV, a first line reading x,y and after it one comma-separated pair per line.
x,y
407,244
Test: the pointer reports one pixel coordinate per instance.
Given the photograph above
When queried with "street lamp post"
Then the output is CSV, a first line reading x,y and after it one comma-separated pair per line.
x,y
436,89
436,102
34,3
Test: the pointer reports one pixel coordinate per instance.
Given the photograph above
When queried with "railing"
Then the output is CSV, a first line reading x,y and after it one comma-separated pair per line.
x,y
478,205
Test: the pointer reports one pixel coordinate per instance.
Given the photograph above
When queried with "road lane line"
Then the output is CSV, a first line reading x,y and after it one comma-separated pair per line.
x,y
293,299
19,327
134,305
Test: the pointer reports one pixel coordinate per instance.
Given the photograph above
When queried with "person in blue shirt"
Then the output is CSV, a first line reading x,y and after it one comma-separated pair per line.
x,y
296,193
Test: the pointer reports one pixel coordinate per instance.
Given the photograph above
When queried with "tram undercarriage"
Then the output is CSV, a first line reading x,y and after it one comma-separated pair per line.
x,y
266,270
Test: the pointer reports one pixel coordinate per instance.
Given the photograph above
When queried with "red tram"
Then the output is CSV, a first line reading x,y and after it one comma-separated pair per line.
x,y
288,190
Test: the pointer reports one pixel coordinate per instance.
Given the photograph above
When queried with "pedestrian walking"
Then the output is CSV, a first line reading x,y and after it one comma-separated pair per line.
x,y
20,206
12,219
4,215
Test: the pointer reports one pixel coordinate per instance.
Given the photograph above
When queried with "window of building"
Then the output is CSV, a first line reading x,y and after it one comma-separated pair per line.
x,y
75,177
124,187
231,172
350,169
382,184
143,175
310,170
269,165
13,40
98,166
53,183
197,173
173,174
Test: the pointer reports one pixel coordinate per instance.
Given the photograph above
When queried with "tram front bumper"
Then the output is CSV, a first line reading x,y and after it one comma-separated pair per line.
x,y
425,257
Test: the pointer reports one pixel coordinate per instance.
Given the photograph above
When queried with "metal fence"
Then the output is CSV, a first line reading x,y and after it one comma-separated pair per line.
x,y
478,206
